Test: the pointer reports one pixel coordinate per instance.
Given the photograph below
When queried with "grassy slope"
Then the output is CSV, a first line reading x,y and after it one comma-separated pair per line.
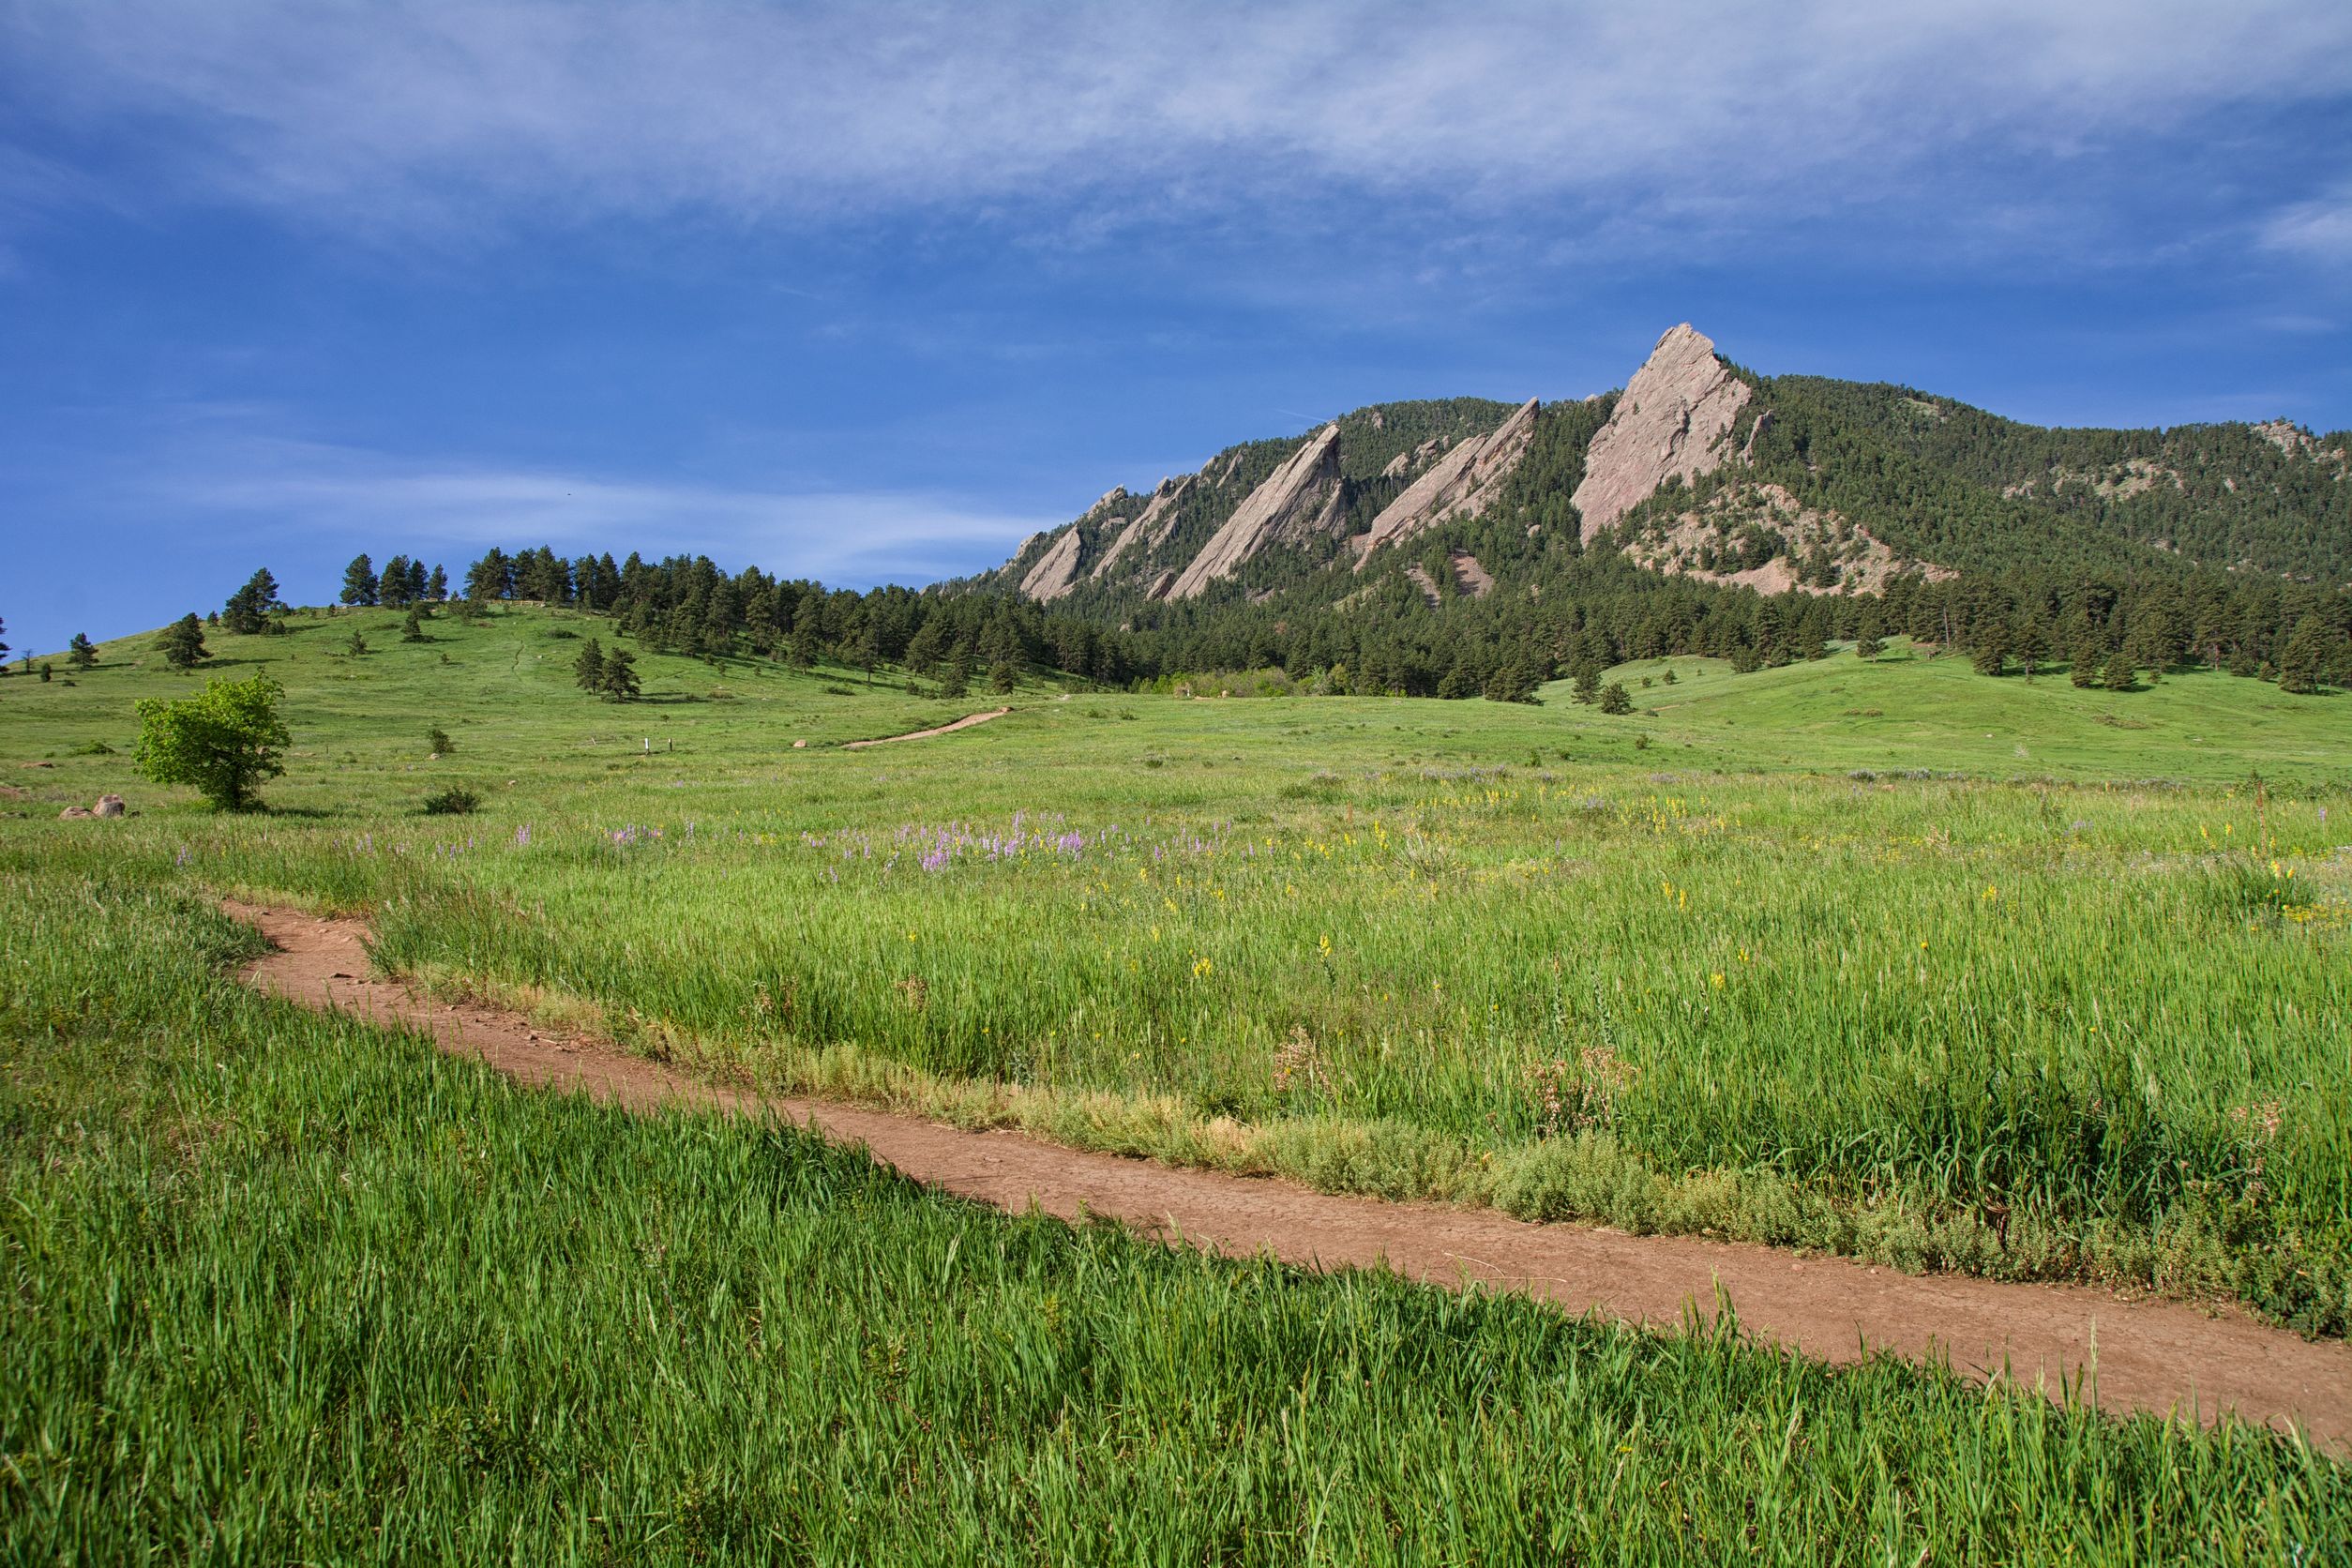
x,y
291,1287
1942,1024
511,1319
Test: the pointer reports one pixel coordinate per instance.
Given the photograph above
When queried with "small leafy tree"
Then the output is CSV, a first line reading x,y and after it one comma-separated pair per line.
x,y
359,582
1615,699
225,740
82,651
183,643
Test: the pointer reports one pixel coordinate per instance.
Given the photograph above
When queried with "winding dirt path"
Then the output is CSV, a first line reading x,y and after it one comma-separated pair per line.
x,y
2152,1354
964,723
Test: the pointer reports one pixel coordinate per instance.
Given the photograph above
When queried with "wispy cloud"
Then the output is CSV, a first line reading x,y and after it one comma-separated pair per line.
x,y
443,115
276,490
2319,229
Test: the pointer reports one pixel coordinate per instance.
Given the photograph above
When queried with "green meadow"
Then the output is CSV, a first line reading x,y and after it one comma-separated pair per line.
x,y
1886,959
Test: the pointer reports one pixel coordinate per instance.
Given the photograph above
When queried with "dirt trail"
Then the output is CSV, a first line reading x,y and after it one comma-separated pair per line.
x,y
2151,1355
964,723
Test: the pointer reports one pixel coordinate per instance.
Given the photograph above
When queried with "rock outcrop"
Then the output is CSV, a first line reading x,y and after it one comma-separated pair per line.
x,y
1151,526
109,805
1463,483
1675,418
1404,462
1056,571
1716,542
1298,502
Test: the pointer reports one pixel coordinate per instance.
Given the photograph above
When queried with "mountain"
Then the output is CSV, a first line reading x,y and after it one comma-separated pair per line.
x,y
1701,469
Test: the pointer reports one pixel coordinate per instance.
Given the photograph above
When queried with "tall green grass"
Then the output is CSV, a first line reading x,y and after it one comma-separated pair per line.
x,y
2032,1028
290,1288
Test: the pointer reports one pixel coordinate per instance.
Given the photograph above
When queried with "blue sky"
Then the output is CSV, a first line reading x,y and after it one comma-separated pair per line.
x,y
870,291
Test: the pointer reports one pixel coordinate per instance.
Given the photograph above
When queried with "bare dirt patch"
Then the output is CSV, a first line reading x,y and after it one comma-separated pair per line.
x,y
964,723
2151,1355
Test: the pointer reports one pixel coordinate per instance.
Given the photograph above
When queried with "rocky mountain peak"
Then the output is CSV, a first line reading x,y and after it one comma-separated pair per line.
x,y
1675,418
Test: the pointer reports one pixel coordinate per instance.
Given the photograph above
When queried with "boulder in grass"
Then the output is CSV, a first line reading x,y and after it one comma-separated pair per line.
x,y
109,805
72,813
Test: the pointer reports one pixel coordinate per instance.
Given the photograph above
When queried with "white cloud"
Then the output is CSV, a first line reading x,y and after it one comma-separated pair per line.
x,y
2319,230
282,490
432,115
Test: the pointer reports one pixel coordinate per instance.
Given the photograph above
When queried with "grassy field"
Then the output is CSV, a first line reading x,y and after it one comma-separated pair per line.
x,y
1888,958
291,1288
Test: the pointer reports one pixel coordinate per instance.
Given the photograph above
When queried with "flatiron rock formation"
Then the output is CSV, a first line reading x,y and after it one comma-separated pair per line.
x,y
1675,418
1298,502
1463,483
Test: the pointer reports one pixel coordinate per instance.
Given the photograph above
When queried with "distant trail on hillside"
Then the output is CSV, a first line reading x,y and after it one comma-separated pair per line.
x,y
2151,1355
964,723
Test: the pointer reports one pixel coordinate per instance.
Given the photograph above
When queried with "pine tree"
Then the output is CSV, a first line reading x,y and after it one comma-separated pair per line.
x,y
1003,676
359,582
417,582
1991,652
2029,641
392,586
1457,682
491,578
1867,644
2084,671
3,648
1588,688
357,645
924,650
437,588
2303,662
956,680
183,643
412,629
1615,699
588,669
803,644
247,611
619,681
2118,675
82,651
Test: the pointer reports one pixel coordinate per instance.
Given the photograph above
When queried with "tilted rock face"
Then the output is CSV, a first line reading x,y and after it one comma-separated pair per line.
x,y
1674,419
1463,483
1056,571
1149,527
1404,462
1299,500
